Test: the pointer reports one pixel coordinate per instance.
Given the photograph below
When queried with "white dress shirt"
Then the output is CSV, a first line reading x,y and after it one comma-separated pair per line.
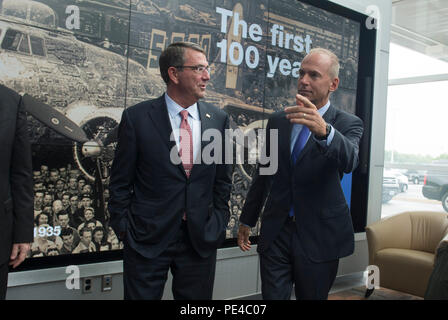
x,y
193,119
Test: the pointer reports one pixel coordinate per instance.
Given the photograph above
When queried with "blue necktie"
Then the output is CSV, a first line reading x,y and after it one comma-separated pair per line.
x,y
300,143
298,146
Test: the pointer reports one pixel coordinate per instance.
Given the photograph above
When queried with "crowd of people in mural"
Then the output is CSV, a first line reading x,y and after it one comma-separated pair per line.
x,y
67,216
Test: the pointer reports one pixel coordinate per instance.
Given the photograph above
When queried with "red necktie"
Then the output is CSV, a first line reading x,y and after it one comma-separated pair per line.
x,y
186,143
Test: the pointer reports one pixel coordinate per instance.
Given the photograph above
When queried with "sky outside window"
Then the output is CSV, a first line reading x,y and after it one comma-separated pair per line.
x,y
406,63
416,113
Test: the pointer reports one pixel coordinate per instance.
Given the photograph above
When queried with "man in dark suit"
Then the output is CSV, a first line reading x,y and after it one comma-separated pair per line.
x,y
16,185
306,224
171,214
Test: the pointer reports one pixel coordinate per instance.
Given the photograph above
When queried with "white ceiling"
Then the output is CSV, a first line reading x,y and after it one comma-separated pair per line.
x,y
421,25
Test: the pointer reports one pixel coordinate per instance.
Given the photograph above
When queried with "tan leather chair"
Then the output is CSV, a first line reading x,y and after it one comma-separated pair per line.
x,y
404,247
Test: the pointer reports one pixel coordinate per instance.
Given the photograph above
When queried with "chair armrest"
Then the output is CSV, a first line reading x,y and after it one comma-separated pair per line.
x,y
393,232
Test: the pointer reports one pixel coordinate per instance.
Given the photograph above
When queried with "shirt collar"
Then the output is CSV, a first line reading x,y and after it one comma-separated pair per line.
x,y
174,109
324,109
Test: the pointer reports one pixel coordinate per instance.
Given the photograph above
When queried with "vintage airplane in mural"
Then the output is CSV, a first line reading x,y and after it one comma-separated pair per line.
x,y
67,79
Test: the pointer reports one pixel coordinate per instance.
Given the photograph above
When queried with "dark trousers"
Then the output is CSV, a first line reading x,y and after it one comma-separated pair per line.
x,y
284,263
3,280
193,276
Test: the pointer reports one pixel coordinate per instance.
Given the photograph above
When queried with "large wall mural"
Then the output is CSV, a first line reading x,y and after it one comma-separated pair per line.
x,y
79,64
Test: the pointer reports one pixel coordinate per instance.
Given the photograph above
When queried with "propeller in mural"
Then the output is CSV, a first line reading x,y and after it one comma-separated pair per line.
x,y
97,149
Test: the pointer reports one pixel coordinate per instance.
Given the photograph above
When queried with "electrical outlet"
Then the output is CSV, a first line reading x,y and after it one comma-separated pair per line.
x,y
106,283
87,285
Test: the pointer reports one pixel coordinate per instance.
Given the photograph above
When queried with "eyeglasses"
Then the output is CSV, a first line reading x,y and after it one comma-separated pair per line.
x,y
197,69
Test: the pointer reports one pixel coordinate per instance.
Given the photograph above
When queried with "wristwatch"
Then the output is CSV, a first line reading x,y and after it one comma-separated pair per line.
x,y
328,130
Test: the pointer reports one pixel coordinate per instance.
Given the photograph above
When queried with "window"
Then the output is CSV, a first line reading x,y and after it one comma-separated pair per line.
x,y
17,10
42,16
415,175
16,41
37,46
11,40
407,63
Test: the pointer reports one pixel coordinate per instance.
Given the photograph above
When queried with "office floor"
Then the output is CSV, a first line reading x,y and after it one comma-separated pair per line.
x,y
353,287
342,283
346,282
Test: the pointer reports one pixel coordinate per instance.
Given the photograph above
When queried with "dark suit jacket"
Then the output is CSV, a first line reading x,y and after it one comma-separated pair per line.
x,y
323,220
16,182
149,194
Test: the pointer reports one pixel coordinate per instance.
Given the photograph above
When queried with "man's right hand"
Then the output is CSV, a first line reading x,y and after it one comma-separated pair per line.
x,y
18,253
243,237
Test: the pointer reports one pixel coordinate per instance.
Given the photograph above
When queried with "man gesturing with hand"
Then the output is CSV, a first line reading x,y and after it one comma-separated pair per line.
x,y
306,225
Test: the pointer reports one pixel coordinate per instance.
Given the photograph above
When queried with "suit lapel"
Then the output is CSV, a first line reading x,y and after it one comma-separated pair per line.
x,y
330,114
285,136
160,118
207,121
158,112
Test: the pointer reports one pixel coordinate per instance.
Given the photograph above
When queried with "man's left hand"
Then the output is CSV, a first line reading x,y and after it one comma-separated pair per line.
x,y
305,113
18,253
243,237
